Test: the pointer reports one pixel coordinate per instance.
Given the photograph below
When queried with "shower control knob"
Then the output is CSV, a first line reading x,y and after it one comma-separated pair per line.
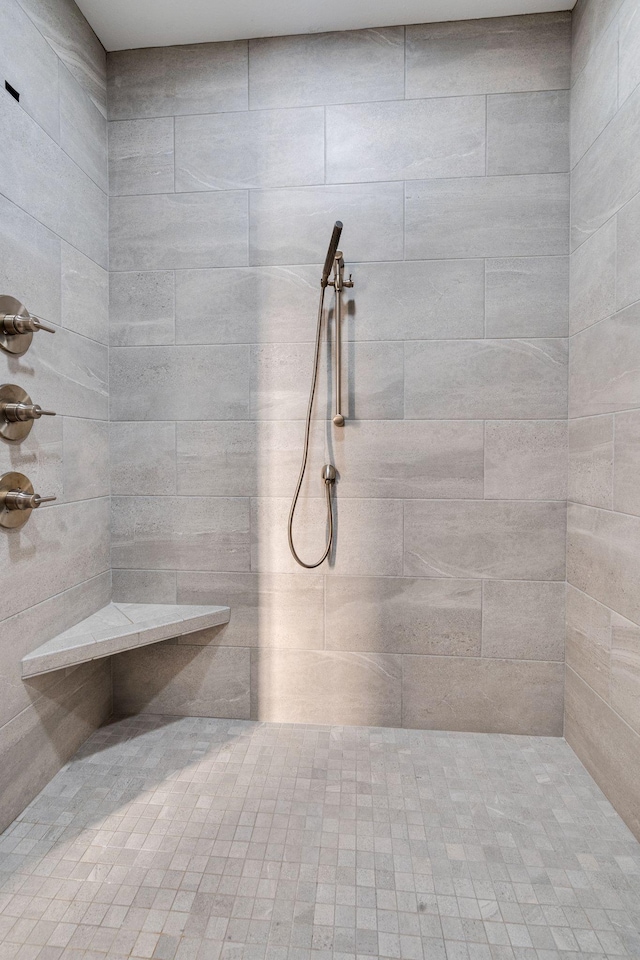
x,y
17,500
18,325
17,413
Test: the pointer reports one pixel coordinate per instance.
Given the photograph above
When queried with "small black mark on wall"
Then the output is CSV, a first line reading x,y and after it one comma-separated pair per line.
x,y
12,90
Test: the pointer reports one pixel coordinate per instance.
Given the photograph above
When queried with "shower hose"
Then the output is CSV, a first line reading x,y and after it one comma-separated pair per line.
x,y
328,473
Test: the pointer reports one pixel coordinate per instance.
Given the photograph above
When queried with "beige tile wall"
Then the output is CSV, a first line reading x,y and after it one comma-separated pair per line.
x,y
603,559
53,257
445,150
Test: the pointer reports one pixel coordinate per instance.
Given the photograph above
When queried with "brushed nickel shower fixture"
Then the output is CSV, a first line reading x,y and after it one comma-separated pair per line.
x,y
17,500
17,413
17,326
333,261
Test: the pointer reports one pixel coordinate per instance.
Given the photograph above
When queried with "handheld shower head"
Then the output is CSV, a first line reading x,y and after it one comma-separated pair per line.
x,y
331,252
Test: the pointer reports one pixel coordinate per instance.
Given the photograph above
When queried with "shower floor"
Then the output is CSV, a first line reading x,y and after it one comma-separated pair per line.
x,y
197,839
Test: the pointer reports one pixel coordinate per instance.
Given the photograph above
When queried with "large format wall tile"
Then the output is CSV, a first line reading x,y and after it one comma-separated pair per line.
x,y
345,67
626,490
267,610
141,156
527,297
143,460
400,615
526,460
180,533
487,539
206,230
627,288
84,295
521,216
589,22
141,308
182,681
431,300
629,41
603,557
86,458
476,379
34,76
523,620
30,261
266,148
593,279
484,695
528,133
289,686
591,461
603,370
594,97
497,55
625,670
294,225
180,383
69,373
83,130
588,643
168,81
406,140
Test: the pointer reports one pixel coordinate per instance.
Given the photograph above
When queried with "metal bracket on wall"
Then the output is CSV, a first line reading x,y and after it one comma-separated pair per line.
x,y
17,326
17,413
17,500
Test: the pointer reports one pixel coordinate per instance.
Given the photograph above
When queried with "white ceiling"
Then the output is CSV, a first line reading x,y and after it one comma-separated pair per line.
x,y
126,24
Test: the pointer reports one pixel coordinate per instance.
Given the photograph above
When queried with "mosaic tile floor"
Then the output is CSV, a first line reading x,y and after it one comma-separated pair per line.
x,y
194,839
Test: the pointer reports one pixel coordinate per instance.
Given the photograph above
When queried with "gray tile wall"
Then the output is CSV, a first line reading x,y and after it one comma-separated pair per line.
x,y
53,256
445,150
603,563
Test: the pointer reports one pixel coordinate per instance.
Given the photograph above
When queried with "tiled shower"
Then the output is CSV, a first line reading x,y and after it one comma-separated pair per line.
x,y
168,209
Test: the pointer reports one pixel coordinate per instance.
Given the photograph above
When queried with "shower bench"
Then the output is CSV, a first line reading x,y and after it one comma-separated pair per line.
x,y
119,627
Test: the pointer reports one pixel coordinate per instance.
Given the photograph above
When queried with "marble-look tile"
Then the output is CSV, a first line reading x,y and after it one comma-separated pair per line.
x,y
593,279
85,295
589,22
629,40
591,461
86,459
477,379
608,175
29,261
172,383
145,586
527,297
400,615
603,557
526,460
35,76
39,177
180,533
627,264
432,300
373,381
280,382
185,681
484,539
626,493
528,133
68,372
141,156
265,148
354,688
405,458
608,748
220,458
83,130
68,33
603,375
625,670
497,55
206,230
594,95
143,459
523,216
177,80
141,308
351,66
62,544
247,304
406,140
588,642
267,610
286,226
523,620
485,695
368,535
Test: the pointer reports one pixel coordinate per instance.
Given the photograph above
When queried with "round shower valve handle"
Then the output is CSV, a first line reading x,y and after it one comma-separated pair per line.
x,y
18,499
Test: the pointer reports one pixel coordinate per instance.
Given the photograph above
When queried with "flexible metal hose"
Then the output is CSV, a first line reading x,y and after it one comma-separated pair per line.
x,y
328,483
